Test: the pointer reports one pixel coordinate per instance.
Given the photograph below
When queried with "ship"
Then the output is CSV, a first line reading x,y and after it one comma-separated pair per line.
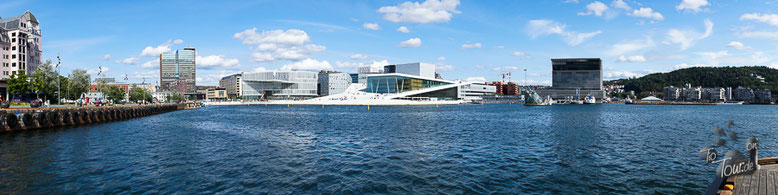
x,y
589,99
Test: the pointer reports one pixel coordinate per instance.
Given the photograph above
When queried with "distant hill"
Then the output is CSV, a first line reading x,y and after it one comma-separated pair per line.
x,y
705,77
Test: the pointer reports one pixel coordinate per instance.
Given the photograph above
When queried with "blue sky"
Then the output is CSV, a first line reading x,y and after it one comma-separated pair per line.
x,y
469,40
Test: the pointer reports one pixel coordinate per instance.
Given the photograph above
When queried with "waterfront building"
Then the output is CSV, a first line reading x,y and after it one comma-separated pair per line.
x,y
279,84
20,47
161,96
178,65
215,93
232,85
728,93
180,86
743,94
671,93
714,94
370,70
405,86
475,91
398,83
692,93
511,89
333,83
498,87
418,69
21,42
763,96
576,77
358,78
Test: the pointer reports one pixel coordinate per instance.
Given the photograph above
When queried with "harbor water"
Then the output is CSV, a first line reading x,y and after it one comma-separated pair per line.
x,y
455,149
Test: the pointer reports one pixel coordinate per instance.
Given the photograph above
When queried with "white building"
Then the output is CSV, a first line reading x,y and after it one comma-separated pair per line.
x,y
23,49
475,91
333,83
424,70
161,96
279,84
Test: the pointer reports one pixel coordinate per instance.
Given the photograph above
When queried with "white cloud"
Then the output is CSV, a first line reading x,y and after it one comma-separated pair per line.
x,y
505,69
359,56
691,5
278,44
685,38
430,11
374,63
771,19
621,4
259,69
471,46
632,59
178,41
107,57
685,65
441,58
630,46
215,61
131,60
288,37
645,12
596,8
155,51
737,45
759,35
403,29
308,64
475,79
97,70
443,67
521,54
371,26
623,74
536,28
151,64
413,42
570,1
499,47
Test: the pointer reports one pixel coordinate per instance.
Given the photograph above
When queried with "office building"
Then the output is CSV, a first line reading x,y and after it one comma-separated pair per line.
x,y
762,96
333,83
232,85
417,69
671,93
370,70
216,93
178,65
404,86
399,83
20,40
279,84
575,77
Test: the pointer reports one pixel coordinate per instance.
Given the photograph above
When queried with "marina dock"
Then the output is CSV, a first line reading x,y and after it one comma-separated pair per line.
x,y
762,181
18,119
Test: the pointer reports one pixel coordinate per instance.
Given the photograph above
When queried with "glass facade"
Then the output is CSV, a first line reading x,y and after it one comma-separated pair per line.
x,y
176,66
399,84
577,73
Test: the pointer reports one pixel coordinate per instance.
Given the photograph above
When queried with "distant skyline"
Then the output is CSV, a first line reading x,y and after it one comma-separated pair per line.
x,y
468,40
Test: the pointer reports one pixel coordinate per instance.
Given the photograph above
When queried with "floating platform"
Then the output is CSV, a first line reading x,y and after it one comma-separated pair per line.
x,y
18,119
762,181
671,103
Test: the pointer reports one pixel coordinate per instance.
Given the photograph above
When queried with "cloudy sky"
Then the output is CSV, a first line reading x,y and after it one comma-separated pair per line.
x,y
468,39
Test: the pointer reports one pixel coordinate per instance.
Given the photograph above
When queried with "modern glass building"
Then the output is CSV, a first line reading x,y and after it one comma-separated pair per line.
x,y
398,83
577,73
280,84
178,65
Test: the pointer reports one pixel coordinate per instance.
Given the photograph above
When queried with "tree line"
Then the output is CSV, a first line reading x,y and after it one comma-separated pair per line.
x,y
45,82
705,77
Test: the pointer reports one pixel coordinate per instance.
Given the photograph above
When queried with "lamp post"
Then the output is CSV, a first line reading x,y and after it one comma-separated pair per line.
x,y
59,84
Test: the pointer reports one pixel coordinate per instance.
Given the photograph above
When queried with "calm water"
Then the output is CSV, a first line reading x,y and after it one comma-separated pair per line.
x,y
452,149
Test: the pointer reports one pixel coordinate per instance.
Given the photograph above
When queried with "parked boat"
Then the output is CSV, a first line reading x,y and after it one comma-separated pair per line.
x,y
628,101
589,100
730,103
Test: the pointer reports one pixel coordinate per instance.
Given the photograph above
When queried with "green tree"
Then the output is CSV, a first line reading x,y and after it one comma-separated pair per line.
x,y
175,96
63,87
45,80
19,83
137,93
114,93
78,83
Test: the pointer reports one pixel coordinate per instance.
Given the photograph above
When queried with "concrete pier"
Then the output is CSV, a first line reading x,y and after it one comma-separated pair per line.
x,y
18,119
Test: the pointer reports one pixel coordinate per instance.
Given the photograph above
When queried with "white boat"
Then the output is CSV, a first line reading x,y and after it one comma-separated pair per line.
x,y
590,100
628,100
730,103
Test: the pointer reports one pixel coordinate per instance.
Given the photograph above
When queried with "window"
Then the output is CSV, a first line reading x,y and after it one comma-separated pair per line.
x,y
13,48
13,34
5,72
13,56
13,64
13,40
